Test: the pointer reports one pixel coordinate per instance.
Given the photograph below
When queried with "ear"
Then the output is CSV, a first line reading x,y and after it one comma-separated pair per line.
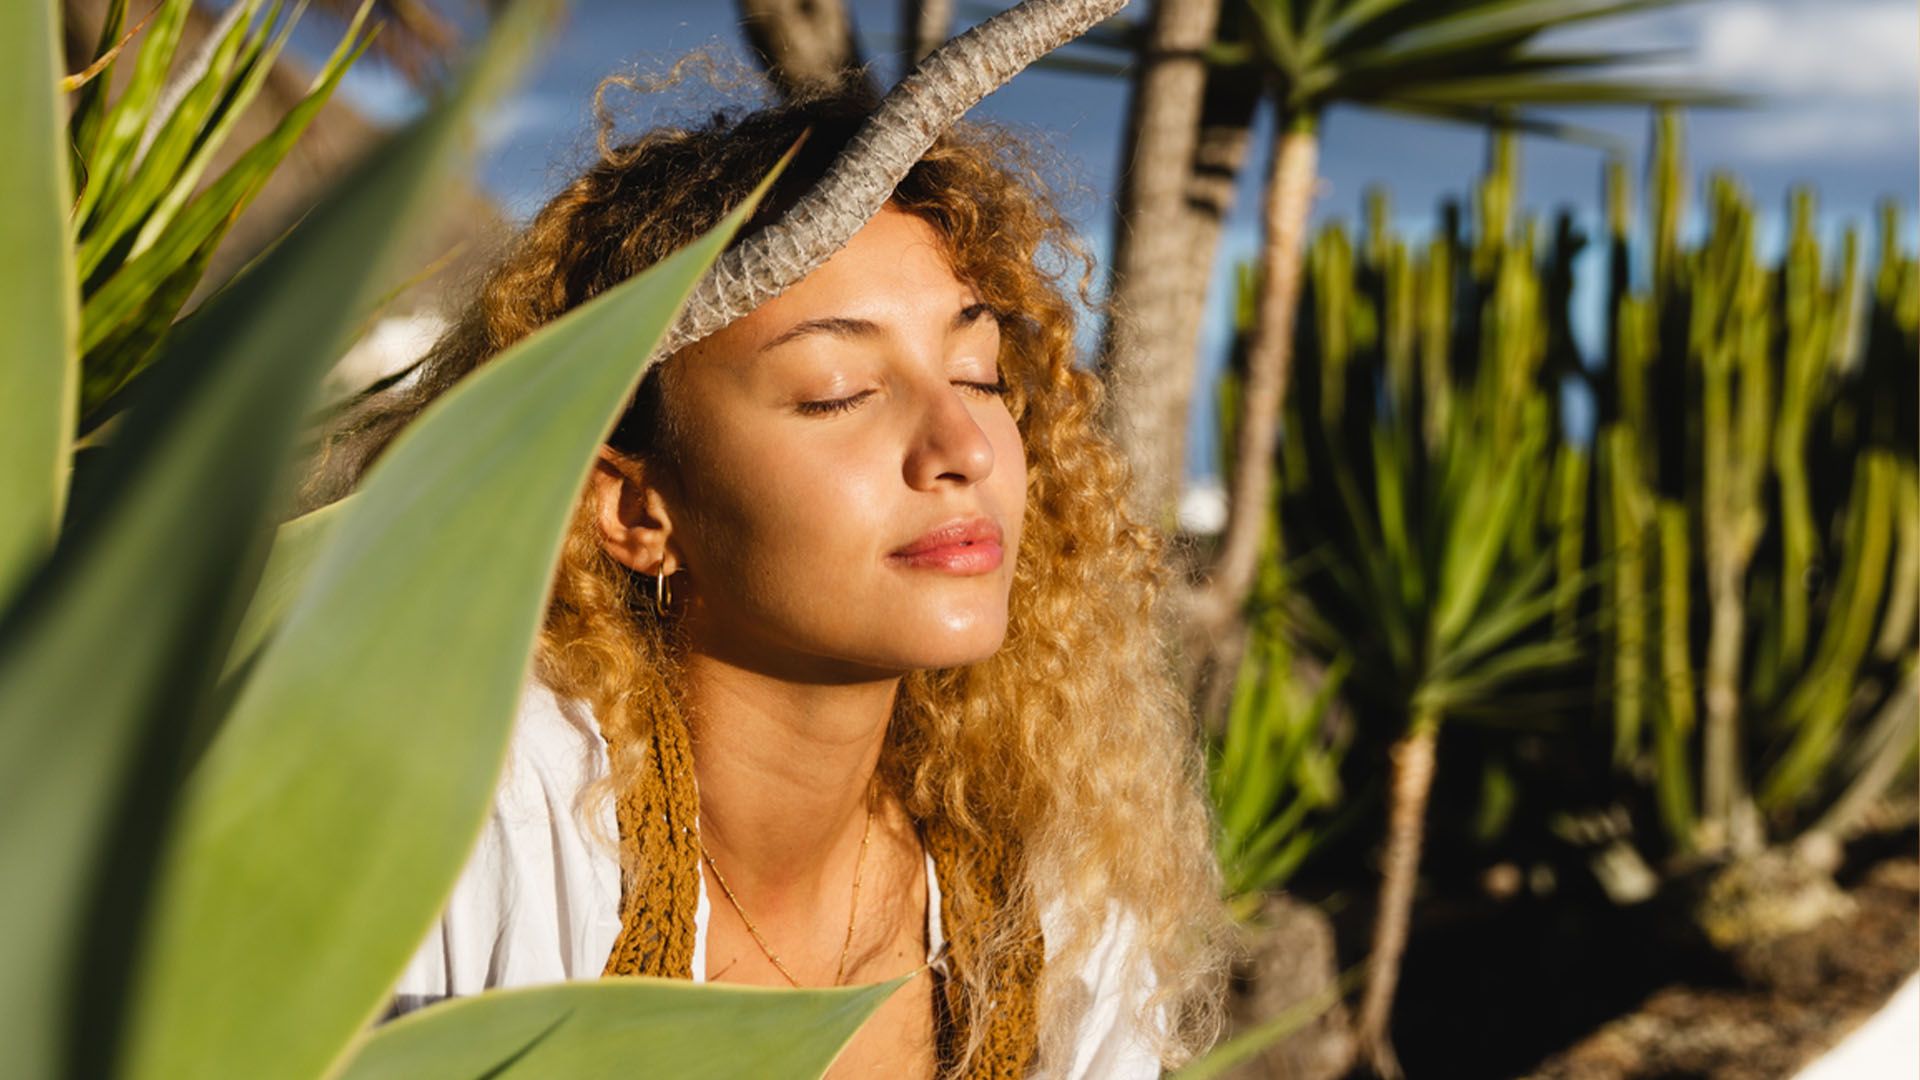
x,y
630,507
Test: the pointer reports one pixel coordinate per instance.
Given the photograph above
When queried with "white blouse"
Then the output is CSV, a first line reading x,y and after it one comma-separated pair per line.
x,y
539,898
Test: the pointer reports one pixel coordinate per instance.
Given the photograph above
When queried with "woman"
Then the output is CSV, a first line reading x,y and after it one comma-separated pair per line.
x,y
850,669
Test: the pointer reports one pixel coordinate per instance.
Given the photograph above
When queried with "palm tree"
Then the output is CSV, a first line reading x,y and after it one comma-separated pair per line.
x,y
806,46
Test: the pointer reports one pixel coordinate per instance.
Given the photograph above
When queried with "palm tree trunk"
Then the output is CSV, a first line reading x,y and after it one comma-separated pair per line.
x,y
926,24
1289,202
1413,762
805,45
1149,349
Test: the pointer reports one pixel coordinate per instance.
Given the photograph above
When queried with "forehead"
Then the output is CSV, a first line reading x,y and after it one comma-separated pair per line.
x,y
893,272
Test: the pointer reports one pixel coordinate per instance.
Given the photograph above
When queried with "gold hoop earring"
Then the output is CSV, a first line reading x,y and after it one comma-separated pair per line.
x,y
662,596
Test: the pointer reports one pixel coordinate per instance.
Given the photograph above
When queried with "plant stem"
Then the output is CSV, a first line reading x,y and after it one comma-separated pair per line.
x,y
1289,199
1413,764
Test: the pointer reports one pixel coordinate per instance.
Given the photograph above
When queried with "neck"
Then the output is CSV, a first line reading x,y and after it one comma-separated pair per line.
x,y
784,770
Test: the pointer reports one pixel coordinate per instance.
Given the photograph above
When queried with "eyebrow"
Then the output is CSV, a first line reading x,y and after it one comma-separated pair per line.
x,y
840,326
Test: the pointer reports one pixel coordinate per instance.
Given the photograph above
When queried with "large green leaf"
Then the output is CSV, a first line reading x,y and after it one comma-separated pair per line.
x,y
622,1028
109,656
39,376
329,819
296,547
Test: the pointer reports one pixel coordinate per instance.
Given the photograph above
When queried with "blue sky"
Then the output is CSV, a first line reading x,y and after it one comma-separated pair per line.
x,y
1839,82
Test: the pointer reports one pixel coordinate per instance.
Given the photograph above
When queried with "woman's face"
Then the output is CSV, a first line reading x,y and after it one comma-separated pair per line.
x,y
845,422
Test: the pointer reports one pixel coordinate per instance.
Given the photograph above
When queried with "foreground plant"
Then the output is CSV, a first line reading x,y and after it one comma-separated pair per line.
x,y
220,859
228,842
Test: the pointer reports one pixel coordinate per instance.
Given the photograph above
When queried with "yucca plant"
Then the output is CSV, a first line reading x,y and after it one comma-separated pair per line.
x,y
1420,489
222,847
1275,772
1762,513
147,217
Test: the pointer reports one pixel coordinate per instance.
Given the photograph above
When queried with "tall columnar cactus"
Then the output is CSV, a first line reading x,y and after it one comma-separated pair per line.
x,y
1760,553
1748,508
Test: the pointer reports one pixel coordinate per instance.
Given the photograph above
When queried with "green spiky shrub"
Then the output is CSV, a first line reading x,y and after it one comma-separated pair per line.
x,y
244,762
147,213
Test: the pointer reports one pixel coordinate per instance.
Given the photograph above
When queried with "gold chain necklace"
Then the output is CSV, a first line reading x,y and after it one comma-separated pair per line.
x,y
859,864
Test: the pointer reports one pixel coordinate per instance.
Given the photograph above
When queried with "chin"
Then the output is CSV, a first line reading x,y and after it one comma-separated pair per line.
x,y
956,643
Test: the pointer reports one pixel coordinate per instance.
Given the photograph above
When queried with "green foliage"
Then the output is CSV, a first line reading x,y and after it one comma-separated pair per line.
x,y
1274,773
1758,484
619,1028
1469,60
1749,509
233,810
38,316
1419,466
144,226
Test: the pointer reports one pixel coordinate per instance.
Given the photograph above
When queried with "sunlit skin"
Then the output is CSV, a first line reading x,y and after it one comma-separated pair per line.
x,y
831,427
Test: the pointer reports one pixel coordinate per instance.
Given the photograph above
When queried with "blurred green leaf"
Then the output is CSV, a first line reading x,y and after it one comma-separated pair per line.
x,y
296,547
621,1027
38,316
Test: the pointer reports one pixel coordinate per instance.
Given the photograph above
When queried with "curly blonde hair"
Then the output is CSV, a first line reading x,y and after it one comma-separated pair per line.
x,y
1072,739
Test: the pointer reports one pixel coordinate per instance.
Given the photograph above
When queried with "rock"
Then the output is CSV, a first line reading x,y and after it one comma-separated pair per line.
x,y
1766,913
1290,960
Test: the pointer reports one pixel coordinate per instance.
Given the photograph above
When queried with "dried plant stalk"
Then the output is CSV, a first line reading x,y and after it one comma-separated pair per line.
x,y
913,114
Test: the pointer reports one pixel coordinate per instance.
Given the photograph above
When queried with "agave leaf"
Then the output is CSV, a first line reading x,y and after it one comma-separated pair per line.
x,y
622,1027
108,658
332,814
39,376
296,547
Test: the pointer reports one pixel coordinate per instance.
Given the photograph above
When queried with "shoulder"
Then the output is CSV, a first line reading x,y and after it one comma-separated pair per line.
x,y
1115,1035
540,887
555,751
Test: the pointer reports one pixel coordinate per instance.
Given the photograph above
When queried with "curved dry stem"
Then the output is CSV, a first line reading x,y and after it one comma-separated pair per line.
x,y
913,115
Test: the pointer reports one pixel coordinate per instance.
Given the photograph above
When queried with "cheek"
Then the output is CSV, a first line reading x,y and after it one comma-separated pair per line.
x,y
1009,479
784,516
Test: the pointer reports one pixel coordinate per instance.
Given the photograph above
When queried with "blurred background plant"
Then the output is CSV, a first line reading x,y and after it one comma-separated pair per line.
x,y
1669,651
1760,519
145,227
1456,549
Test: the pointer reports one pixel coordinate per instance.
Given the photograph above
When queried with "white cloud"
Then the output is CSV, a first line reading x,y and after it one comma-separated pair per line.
x,y
1831,78
1818,48
525,114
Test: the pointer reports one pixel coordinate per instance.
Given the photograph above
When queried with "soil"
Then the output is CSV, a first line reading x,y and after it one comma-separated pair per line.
x,y
1548,989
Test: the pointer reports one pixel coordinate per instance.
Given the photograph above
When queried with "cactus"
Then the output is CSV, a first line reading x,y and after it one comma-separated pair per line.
x,y
1748,409
1749,509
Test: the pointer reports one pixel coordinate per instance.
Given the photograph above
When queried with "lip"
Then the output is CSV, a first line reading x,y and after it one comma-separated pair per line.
x,y
961,546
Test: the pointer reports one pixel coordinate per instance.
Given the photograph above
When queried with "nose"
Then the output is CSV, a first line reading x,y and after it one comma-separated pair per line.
x,y
948,444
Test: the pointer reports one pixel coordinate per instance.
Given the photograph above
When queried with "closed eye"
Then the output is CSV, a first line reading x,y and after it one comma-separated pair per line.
x,y
840,405
819,408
